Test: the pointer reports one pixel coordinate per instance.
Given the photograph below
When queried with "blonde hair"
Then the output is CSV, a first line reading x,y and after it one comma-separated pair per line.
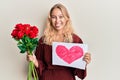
x,y
50,32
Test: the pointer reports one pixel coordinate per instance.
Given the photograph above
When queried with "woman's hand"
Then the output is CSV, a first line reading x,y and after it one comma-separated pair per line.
x,y
32,58
87,57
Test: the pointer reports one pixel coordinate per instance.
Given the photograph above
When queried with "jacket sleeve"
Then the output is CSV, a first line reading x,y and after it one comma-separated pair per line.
x,y
79,72
39,55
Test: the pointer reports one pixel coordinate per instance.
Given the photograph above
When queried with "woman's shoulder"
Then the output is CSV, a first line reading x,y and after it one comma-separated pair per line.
x,y
76,38
41,40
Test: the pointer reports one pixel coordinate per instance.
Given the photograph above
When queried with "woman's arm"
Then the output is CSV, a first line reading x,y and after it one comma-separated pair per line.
x,y
87,58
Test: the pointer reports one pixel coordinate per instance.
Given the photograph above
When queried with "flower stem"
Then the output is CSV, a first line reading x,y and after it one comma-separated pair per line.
x,y
32,73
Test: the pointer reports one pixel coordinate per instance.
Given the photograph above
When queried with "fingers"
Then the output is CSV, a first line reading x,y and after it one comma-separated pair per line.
x,y
87,58
31,58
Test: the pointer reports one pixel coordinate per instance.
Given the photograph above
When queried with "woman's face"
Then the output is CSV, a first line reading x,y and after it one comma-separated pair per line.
x,y
58,20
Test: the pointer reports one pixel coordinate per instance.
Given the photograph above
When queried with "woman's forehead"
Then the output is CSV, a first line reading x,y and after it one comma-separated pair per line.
x,y
56,11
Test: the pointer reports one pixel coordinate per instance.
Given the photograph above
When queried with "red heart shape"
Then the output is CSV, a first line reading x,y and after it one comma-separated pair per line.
x,y
69,55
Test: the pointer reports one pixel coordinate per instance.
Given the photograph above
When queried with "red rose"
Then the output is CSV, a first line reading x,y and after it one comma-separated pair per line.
x,y
32,34
19,27
34,29
14,33
26,28
20,34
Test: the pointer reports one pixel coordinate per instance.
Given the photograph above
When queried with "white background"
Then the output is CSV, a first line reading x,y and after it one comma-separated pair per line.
x,y
97,22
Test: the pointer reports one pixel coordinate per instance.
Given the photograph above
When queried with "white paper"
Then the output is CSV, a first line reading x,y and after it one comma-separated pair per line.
x,y
69,54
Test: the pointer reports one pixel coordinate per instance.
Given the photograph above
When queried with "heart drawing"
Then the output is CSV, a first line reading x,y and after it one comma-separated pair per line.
x,y
69,55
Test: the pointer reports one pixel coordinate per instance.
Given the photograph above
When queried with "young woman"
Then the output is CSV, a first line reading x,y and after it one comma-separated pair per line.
x,y
59,29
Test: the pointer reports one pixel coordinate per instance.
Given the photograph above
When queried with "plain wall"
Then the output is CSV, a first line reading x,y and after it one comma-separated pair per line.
x,y
97,22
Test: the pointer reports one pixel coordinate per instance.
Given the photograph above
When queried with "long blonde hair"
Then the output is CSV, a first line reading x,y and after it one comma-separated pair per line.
x,y
50,32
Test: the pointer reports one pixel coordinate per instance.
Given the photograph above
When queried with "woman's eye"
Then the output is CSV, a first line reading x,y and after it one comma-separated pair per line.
x,y
53,17
60,17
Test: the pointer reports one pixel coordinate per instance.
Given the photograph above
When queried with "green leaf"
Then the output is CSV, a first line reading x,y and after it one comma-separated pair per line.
x,y
27,44
27,39
19,42
35,41
22,48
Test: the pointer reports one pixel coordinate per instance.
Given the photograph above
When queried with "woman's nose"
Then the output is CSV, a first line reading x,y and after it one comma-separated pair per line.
x,y
57,19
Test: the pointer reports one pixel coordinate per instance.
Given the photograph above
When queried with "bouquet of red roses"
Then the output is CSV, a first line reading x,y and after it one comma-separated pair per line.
x,y
25,35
